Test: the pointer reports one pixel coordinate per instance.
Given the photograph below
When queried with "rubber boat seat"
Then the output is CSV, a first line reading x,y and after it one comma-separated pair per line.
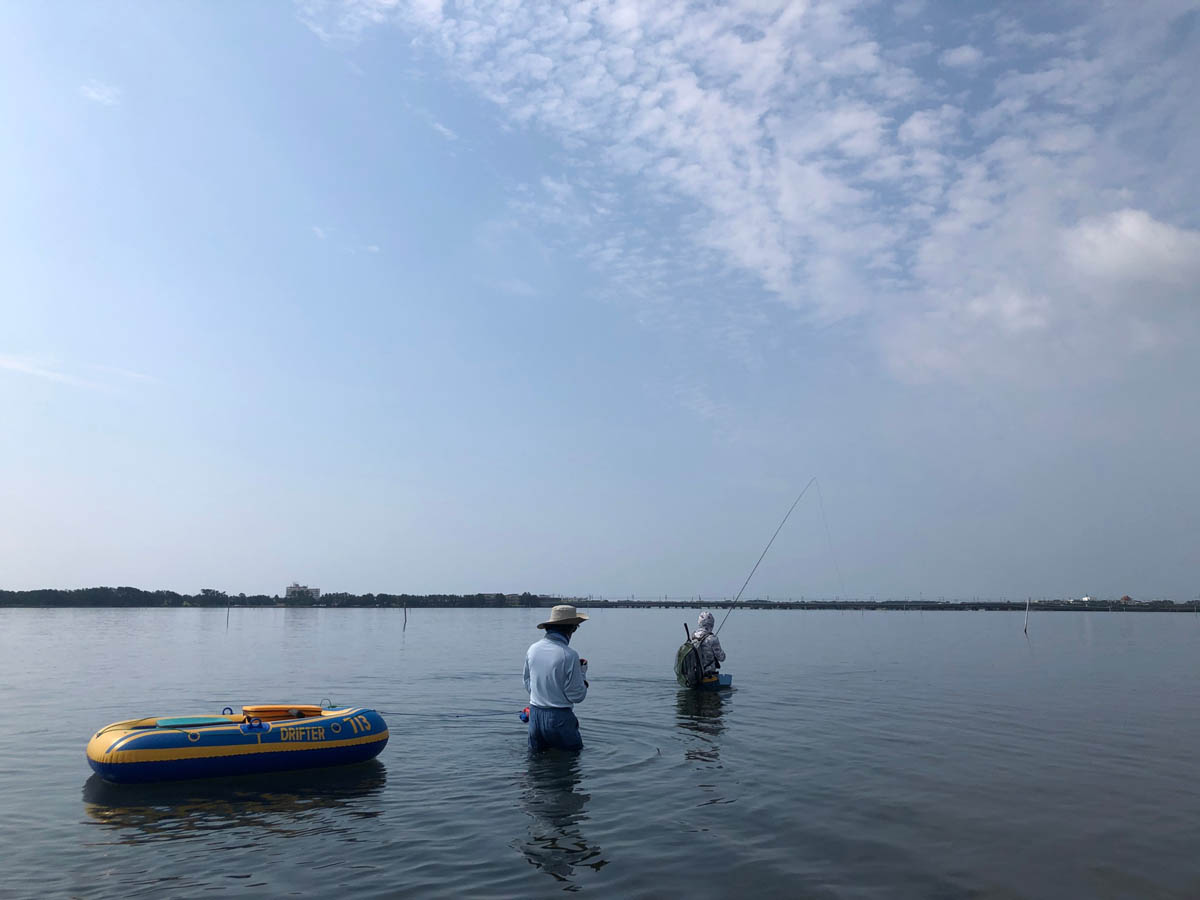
x,y
269,711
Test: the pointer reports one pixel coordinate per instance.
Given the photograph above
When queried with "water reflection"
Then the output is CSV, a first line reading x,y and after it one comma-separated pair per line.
x,y
288,804
701,715
550,796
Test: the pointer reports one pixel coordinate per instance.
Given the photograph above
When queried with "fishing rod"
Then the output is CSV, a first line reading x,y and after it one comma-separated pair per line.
x,y
811,481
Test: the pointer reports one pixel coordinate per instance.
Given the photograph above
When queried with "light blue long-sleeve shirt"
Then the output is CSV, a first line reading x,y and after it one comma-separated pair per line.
x,y
554,675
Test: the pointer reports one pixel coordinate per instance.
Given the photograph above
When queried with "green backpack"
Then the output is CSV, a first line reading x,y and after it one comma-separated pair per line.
x,y
688,668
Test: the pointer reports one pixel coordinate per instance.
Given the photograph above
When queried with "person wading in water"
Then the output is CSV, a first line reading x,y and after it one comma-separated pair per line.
x,y
555,677
708,644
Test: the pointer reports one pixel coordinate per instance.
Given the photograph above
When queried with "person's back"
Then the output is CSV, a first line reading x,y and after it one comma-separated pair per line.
x,y
708,644
555,680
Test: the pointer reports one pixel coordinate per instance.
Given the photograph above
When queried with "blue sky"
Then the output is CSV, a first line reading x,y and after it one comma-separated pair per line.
x,y
576,298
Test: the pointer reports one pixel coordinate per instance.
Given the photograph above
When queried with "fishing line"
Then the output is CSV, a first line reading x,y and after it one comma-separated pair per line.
x,y
829,539
764,553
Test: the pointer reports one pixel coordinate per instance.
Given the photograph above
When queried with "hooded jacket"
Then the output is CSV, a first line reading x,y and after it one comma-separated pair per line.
x,y
709,645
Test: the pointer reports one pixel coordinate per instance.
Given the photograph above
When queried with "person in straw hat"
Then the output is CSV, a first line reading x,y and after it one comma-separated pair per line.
x,y
556,679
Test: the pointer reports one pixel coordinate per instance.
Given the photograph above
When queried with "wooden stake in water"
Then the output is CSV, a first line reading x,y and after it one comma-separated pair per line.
x,y
1028,600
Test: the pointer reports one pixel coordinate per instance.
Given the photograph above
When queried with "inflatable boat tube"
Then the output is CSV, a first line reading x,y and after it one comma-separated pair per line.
x,y
271,738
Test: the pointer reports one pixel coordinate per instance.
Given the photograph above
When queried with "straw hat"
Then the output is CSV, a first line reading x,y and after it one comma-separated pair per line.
x,y
563,615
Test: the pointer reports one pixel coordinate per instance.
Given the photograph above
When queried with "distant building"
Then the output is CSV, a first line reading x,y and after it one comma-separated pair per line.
x,y
301,592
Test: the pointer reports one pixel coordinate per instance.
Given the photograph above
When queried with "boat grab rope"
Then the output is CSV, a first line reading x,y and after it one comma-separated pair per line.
x,y
444,715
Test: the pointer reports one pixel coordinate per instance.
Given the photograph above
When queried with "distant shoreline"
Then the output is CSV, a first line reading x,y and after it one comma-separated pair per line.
x,y
135,598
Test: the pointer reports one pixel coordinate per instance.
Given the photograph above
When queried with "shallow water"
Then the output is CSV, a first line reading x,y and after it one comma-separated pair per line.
x,y
877,754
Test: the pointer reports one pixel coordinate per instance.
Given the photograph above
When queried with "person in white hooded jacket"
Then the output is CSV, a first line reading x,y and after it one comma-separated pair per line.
x,y
708,644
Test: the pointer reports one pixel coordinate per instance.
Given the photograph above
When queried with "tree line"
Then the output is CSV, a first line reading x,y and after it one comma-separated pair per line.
x,y
131,596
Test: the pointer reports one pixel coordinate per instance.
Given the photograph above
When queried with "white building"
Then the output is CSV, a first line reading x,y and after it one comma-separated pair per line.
x,y
301,591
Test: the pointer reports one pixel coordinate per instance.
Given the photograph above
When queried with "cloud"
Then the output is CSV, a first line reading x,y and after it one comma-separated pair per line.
x,y
444,131
747,164
930,126
52,370
37,369
372,248
99,92
696,397
319,232
1130,246
961,57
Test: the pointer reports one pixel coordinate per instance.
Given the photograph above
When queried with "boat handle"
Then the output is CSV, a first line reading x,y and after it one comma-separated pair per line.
x,y
227,711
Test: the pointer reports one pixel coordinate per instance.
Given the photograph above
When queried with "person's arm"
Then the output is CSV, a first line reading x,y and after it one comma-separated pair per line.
x,y
527,673
575,686
718,653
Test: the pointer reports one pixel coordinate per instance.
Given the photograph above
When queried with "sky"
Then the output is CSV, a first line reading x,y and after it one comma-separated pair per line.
x,y
576,298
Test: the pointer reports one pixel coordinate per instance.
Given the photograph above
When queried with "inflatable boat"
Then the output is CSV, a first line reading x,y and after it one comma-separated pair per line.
x,y
269,738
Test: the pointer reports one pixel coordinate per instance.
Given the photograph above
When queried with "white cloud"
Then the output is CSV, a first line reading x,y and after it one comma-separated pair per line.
x,y
444,131
372,248
1129,245
930,126
801,154
961,57
37,369
99,92
319,232
697,398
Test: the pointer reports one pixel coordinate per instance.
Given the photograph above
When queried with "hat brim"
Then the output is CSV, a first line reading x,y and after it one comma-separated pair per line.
x,y
574,620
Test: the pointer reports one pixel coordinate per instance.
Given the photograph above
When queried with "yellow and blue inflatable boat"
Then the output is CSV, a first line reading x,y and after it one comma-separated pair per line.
x,y
270,738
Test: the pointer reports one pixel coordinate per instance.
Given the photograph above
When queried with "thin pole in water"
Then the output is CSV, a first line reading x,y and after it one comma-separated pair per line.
x,y
1028,600
764,553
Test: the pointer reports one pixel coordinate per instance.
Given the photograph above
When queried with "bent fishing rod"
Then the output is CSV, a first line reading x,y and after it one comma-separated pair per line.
x,y
811,481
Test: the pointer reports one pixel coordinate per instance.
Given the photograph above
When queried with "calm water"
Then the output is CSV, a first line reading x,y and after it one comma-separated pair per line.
x,y
861,755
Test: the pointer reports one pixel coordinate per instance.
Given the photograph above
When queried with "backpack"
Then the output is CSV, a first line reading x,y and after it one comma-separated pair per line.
x,y
688,668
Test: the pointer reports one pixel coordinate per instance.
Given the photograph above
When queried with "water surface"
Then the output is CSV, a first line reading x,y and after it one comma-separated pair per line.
x,y
877,754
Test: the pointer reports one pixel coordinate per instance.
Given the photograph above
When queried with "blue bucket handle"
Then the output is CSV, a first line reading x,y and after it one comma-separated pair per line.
x,y
227,711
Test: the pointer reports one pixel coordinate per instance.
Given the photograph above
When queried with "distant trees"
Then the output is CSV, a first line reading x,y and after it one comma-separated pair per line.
x,y
210,597
130,596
